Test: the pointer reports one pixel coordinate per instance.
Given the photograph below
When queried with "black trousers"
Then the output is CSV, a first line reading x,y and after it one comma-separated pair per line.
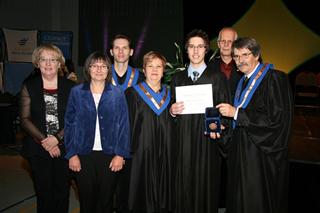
x,y
51,179
122,193
96,183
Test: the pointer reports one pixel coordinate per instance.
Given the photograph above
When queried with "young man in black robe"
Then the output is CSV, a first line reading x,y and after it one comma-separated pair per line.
x,y
258,151
198,158
123,76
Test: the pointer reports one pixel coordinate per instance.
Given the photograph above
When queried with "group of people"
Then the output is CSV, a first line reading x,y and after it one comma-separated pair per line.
x,y
121,132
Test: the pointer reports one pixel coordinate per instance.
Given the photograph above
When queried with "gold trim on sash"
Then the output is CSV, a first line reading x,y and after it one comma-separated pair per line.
x,y
130,80
158,106
252,84
131,77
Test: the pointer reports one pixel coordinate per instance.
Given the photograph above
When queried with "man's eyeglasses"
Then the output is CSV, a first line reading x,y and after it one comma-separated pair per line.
x,y
199,47
96,67
48,60
243,56
225,42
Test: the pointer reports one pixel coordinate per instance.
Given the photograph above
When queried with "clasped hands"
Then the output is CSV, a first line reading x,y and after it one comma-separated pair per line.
x,y
50,144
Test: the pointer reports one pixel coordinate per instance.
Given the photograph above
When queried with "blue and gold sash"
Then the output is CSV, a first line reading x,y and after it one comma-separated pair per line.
x,y
131,78
156,101
242,98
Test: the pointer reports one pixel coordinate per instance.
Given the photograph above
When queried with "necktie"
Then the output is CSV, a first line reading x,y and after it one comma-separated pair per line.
x,y
245,83
195,75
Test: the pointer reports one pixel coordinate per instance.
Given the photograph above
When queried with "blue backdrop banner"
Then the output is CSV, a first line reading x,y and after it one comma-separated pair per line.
x,y
14,75
62,39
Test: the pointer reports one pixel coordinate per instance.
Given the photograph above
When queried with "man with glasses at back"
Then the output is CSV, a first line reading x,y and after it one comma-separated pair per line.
x,y
224,62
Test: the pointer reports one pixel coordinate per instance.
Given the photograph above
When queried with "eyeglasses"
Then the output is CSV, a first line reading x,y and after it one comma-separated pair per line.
x,y
48,60
243,56
225,42
200,46
96,67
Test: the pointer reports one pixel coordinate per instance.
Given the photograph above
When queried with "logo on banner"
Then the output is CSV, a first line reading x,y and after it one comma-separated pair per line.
x,y
62,39
20,44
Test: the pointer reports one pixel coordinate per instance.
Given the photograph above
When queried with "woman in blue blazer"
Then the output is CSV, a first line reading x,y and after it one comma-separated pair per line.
x,y
97,135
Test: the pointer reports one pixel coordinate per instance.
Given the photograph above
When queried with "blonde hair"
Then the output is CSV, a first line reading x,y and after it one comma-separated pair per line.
x,y
49,47
152,55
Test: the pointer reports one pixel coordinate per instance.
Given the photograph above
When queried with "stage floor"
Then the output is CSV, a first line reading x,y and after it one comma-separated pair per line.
x,y
17,194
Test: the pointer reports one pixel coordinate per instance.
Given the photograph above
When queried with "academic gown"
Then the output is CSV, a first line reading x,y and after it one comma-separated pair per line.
x,y
198,159
257,158
235,75
151,172
122,81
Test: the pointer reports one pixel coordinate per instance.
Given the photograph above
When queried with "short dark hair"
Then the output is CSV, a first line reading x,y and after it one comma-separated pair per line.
x,y
248,43
121,36
93,57
197,33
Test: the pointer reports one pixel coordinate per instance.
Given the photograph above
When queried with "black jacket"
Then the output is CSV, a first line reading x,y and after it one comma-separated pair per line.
x,y
33,115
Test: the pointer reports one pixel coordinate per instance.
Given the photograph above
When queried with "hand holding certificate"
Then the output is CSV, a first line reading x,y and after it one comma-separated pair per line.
x,y
195,98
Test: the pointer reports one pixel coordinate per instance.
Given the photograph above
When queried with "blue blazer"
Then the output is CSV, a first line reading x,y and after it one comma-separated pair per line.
x,y
80,122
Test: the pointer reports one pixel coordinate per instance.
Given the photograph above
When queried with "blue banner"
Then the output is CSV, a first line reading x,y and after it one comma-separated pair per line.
x,y
62,39
14,75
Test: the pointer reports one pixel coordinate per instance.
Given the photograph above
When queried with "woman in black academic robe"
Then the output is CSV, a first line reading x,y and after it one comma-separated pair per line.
x,y
151,166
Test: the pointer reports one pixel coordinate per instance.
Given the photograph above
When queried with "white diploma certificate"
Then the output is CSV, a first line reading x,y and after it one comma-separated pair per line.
x,y
195,98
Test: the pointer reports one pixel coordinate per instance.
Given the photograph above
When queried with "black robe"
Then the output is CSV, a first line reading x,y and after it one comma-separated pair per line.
x,y
123,184
257,158
151,172
235,75
198,159
122,79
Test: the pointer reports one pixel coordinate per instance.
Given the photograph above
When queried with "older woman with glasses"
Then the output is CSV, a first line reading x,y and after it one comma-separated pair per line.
x,y
97,135
43,100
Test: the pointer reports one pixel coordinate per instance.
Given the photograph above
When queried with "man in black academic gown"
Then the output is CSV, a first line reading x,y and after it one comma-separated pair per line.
x,y
198,160
123,76
258,151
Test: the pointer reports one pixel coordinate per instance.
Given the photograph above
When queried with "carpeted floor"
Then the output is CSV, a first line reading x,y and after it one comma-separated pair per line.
x,y
16,188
